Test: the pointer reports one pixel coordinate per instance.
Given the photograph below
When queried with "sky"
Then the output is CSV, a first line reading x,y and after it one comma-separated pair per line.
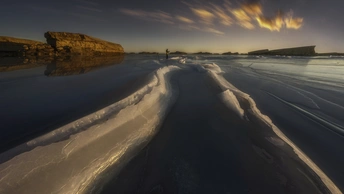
x,y
183,25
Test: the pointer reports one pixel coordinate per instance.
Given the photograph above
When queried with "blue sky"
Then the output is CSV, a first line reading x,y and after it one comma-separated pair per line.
x,y
191,26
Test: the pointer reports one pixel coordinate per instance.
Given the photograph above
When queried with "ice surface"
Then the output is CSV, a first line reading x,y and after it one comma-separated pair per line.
x,y
225,85
109,136
80,156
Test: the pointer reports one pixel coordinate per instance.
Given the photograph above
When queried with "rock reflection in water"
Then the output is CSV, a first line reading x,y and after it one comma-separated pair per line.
x,y
18,63
80,65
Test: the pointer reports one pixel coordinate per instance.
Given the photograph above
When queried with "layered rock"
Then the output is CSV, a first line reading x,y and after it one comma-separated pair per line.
x,y
59,44
296,51
80,44
16,47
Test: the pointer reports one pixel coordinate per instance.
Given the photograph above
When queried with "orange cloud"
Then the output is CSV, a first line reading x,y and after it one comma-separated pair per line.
x,y
293,23
273,24
185,19
246,15
243,19
280,21
206,16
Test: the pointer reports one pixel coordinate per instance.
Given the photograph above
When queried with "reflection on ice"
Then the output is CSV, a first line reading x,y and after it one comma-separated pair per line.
x,y
80,65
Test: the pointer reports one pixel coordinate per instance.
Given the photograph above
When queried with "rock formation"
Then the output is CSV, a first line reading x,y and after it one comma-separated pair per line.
x,y
80,44
297,51
16,53
16,47
60,44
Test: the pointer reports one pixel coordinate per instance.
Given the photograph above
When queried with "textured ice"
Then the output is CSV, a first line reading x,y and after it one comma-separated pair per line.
x,y
107,137
225,85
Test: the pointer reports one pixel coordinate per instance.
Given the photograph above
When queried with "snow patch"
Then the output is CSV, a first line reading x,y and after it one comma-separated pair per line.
x,y
230,100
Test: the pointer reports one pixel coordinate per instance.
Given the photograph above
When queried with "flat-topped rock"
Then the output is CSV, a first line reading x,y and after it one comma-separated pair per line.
x,y
296,51
82,44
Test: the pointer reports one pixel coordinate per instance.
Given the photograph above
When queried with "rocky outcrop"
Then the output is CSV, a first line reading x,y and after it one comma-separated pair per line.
x,y
81,44
297,51
59,44
16,47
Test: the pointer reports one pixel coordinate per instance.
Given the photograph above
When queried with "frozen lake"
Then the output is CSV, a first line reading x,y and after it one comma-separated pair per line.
x,y
191,124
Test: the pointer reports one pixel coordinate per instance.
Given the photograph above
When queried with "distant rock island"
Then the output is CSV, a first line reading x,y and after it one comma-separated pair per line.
x,y
202,53
296,51
230,53
178,53
148,53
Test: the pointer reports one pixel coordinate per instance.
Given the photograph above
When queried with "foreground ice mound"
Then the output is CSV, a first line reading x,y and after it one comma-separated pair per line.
x,y
79,156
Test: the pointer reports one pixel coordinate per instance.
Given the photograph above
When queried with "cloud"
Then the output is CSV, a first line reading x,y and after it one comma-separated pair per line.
x,y
293,23
89,8
157,16
206,16
253,9
273,24
189,27
184,19
247,12
214,31
243,19
222,15
279,21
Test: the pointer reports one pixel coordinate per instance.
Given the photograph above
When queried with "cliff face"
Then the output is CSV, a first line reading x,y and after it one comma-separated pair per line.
x,y
81,44
297,51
